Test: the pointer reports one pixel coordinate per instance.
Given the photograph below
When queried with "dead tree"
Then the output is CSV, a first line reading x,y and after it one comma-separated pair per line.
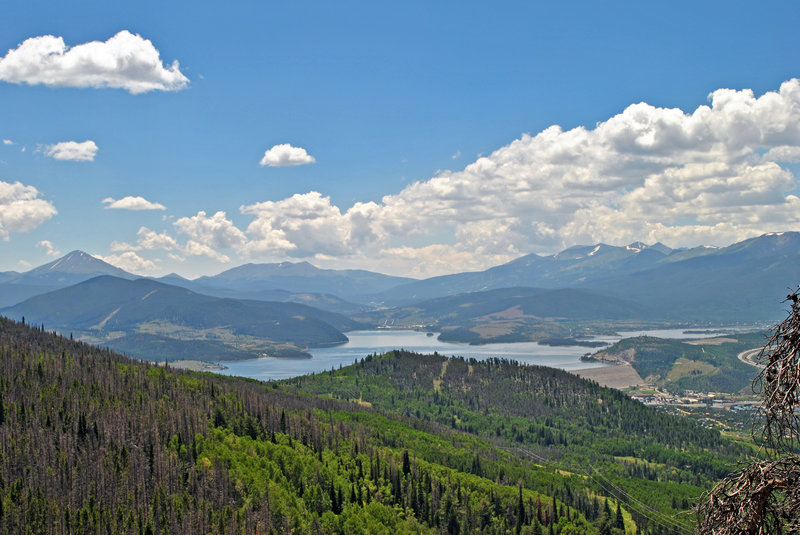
x,y
764,497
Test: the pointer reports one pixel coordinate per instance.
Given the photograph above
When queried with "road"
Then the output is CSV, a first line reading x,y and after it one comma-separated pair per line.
x,y
748,357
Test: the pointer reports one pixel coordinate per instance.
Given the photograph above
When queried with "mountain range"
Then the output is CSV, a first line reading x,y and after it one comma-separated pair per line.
x,y
744,282
609,269
527,297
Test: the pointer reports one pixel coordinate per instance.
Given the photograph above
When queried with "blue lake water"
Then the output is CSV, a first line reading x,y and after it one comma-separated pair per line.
x,y
363,343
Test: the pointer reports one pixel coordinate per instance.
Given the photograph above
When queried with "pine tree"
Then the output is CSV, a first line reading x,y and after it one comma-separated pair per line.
x,y
520,510
619,522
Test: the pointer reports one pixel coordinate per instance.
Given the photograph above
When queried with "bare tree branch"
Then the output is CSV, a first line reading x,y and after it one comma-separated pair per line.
x,y
764,497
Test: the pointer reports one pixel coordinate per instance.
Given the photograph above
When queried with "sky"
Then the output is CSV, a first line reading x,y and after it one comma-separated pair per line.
x,y
413,138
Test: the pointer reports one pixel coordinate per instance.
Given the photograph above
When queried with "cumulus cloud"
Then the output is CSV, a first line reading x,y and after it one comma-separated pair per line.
x,y
84,151
49,248
721,173
308,224
194,248
21,209
783,153
132,203
148,240
714,175
131,262
8,142
207,234
285,155
125,61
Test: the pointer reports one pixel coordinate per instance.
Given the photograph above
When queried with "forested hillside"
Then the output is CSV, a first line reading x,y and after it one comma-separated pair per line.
x,y
655,463
95,443
710,365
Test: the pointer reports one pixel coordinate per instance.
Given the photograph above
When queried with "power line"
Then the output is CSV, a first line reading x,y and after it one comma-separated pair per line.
x,y
656,516
640,508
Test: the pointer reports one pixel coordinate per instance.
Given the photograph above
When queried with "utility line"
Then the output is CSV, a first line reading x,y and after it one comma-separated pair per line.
x,y
641,508
650,513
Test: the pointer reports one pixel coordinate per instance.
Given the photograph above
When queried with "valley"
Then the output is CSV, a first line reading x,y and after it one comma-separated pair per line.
x,y
457,403
285,309
388,268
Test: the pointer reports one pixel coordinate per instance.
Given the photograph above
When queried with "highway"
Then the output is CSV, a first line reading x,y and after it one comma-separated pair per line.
x,y
748,357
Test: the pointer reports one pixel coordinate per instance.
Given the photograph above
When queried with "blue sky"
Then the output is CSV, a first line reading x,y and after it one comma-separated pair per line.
x,y
424,133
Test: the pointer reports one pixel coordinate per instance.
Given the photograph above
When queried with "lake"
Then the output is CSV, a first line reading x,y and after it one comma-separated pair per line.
x,y
363,343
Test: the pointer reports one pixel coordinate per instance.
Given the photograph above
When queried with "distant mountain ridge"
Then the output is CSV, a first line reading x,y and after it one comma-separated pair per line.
x,y
741,282
301,277
111,310
286,282
72,268
75,263
744,282
575,266
561,303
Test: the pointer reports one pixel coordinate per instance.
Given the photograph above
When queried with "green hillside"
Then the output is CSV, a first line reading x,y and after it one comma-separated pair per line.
x,y
96,443
403,443
652,461
704,366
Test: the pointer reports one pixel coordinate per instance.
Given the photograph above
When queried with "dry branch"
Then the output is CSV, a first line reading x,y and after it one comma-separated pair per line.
x,y
764,497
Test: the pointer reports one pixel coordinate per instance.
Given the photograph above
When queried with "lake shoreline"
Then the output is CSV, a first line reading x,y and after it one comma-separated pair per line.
x,y
370,342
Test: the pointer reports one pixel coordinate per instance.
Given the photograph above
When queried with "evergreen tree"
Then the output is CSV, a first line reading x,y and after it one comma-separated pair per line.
x,y
619,522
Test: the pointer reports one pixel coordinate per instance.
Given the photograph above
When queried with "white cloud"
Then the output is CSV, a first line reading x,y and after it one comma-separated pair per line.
x,y
118,246
125,61
644,166
49,248
21,209
148,240
285,155
715,175
194,248
456,155
132,203
307,224
783,153
8,142
130,262
84,151
721,173
206,234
